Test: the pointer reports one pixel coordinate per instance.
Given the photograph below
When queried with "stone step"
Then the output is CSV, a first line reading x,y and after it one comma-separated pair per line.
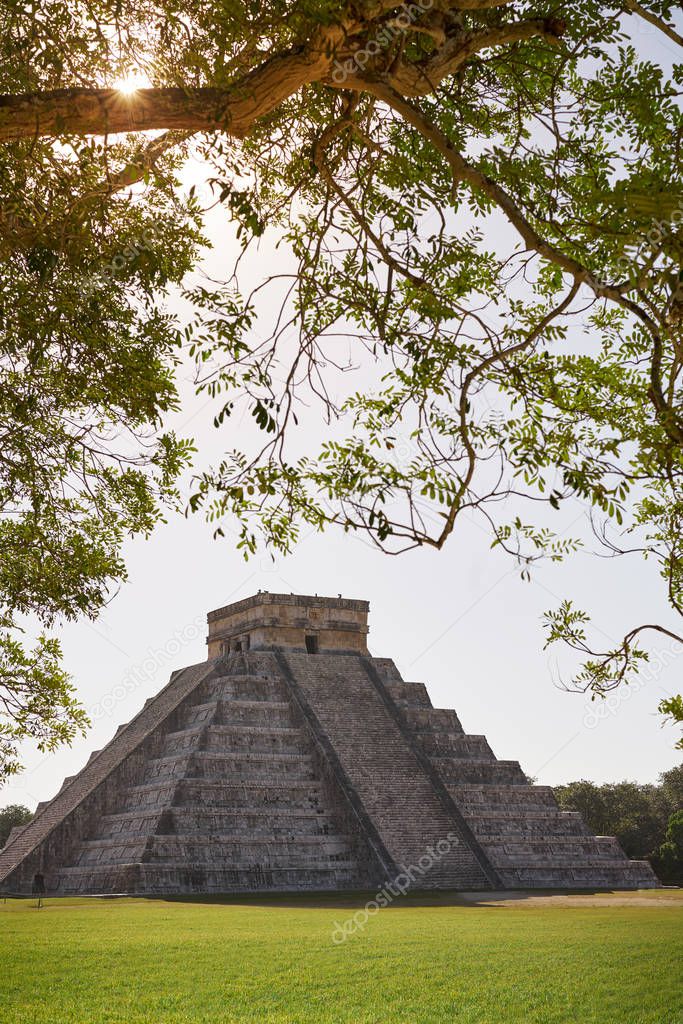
x,y
235,737
427,720
278,792
271,849
285,851
459,745
243,820
245,688
244,765
245,674
166,769
621,874
181,877
505,824
473,770
244,678
251,766
111,851
387,670
257,663
558,851
149,795
256,738
295,794
579,866
254,712
182,741
413,695
256,821
239,712
199,714
226,709
128,823
479,798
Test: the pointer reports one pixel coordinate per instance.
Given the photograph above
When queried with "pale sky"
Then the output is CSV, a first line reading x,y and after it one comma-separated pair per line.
x,y
460,620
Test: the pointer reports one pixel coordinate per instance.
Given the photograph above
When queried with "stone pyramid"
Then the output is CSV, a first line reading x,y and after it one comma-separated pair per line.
x,y
293,760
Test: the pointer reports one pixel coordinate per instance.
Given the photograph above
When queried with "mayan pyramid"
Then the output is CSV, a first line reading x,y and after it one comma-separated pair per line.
x,y
294,760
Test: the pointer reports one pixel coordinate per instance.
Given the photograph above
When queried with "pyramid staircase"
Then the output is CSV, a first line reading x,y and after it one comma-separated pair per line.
x,y
408,809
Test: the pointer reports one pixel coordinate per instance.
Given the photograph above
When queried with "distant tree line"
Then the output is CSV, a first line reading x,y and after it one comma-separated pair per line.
x,y
10,816
646,819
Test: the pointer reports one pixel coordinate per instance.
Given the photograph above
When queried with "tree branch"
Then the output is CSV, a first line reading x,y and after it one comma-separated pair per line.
x,y
663,26
463,170
108,111
463,406
420,79
234,109
135,171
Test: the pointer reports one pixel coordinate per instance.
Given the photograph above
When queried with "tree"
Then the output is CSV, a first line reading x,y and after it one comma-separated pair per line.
x,y
10,817
622,809
586,798
671,788
669,857
638,815
386,145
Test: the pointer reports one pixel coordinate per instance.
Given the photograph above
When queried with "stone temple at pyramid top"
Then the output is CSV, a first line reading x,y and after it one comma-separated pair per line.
x,y
291,622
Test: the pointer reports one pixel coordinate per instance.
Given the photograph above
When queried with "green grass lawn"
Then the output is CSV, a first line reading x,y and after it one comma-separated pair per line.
x,y
165,962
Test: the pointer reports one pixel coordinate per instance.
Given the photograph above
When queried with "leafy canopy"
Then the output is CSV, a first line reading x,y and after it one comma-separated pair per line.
x,y
483,207
12,816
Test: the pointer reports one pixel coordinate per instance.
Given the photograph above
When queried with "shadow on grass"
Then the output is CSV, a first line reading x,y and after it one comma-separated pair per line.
x,y
489,900
323,900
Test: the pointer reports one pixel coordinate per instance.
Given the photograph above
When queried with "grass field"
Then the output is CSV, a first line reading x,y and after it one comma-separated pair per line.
x,y
583,960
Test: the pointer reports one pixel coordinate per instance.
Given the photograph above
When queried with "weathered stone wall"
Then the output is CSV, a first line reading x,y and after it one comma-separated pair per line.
x,y
266,621
525,836
232,795
401,800
50,839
